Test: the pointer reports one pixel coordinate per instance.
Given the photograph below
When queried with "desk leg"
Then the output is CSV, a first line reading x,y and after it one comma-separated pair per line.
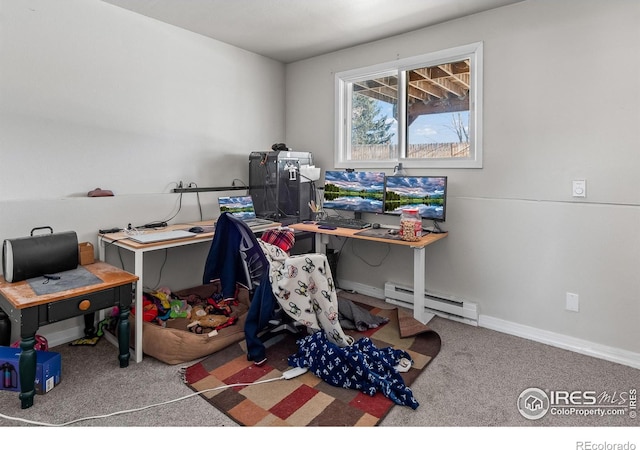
x,y
28,360
102,256
124,328
419,266
27,368
321,241
139,270
101,249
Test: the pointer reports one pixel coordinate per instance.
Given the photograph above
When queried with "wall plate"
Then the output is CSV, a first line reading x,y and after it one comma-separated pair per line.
x,y
579,188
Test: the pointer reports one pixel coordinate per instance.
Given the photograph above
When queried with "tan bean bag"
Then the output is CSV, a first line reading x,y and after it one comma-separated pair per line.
x,y
174,344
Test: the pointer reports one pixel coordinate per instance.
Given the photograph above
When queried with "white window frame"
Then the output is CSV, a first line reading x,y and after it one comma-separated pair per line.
x,y
344,90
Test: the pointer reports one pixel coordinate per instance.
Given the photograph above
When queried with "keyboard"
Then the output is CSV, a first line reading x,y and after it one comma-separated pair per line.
x,y
258,222
344,222
159,236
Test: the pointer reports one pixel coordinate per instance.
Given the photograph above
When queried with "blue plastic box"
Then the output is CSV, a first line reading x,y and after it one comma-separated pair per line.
x,y
48,370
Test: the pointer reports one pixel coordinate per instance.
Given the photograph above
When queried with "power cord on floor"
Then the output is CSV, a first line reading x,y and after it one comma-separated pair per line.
x,y
292,373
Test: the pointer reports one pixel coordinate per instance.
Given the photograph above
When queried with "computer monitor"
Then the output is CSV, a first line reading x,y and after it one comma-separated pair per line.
x,y
427,193
354,191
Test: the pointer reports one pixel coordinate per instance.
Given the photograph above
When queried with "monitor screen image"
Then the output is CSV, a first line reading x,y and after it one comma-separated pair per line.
x,y
428,194
354,191
240,206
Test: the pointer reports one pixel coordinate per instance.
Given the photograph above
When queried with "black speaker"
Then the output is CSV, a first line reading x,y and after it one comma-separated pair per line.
x,y
37,255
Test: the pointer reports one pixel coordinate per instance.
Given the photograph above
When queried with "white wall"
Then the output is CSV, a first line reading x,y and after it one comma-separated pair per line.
x,y
87,90
561,102
92,95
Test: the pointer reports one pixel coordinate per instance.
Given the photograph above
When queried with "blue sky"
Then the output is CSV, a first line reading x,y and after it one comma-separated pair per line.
x,y
427,129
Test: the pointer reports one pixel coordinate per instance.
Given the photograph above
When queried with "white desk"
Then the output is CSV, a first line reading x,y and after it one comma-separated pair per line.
x,y
121,240
419,258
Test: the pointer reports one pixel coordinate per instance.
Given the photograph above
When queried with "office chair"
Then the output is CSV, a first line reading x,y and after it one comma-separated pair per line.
x,y
236,258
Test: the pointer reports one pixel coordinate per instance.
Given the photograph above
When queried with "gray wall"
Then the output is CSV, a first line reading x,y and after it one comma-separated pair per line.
x,y
92,95
88,90
557,107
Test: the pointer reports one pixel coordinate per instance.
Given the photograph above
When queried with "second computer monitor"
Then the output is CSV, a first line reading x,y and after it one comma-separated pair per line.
x,y
354,191
426,193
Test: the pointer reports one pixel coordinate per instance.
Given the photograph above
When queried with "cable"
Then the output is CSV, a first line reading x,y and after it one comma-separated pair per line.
x,y
179,208
233,182
353,248
164,223
195,185
107,244
336,256
164,262
120,257
142,408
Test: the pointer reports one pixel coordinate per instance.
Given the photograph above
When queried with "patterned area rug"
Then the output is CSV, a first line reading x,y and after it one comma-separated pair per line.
x,y
307,400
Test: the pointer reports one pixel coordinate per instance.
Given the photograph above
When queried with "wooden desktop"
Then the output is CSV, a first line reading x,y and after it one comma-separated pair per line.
x,y
419,255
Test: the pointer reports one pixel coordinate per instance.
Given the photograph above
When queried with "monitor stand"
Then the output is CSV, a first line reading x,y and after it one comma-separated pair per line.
x,y
435,229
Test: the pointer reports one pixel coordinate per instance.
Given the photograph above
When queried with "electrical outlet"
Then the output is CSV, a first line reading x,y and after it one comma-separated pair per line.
x,y
579,188
573,302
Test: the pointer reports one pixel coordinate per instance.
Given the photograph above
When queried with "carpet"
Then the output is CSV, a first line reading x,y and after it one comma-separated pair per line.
x,y
307,400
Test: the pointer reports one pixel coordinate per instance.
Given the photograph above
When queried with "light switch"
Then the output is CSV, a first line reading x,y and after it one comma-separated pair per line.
x,y
579,188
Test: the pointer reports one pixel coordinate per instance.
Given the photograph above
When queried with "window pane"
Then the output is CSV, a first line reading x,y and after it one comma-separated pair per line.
x,y
438,111
425,110
374,125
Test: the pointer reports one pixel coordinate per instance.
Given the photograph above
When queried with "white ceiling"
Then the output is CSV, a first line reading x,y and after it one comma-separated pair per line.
x,y
291,30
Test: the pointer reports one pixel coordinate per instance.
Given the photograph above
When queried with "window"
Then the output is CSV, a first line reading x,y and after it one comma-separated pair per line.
x,y
422,111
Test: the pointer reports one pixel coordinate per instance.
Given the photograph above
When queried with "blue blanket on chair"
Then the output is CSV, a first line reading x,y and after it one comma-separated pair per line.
x,y
233,244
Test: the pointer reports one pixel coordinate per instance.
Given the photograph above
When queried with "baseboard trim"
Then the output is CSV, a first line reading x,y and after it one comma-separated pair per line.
x,y
361,289
558,340
64,336
562,341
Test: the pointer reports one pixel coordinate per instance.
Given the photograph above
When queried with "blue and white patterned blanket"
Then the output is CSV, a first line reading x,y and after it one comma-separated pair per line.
x,y
360,366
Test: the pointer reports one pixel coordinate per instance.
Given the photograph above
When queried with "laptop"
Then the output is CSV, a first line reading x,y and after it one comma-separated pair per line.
x,y
241,206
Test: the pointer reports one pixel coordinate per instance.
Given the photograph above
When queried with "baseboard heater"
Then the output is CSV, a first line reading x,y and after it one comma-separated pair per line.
x,y
438,304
